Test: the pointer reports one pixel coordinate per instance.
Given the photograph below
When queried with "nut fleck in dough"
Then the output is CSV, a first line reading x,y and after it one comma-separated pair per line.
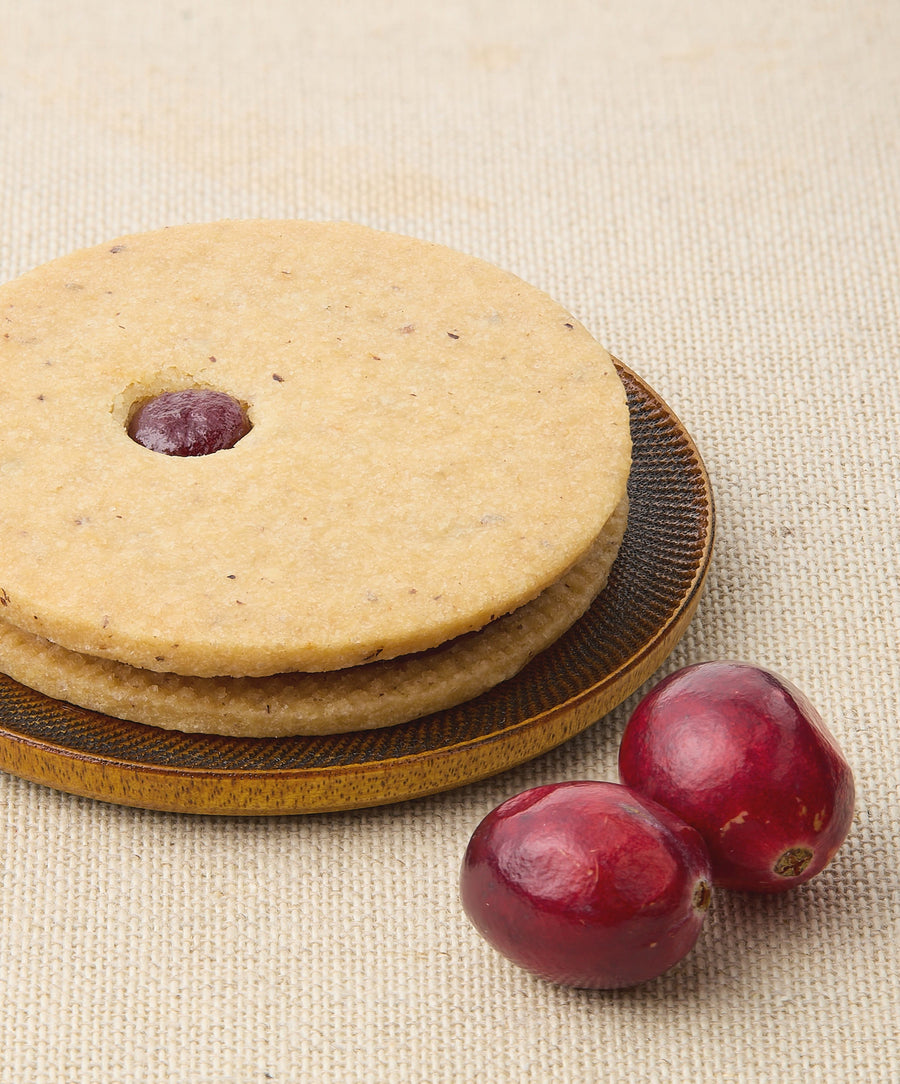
x,y
433,443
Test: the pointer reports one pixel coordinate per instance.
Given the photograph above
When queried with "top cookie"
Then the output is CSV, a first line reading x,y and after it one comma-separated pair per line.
x,y
433,443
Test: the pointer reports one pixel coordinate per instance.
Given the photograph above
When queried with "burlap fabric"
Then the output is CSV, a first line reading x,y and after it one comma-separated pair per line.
x,y
714,189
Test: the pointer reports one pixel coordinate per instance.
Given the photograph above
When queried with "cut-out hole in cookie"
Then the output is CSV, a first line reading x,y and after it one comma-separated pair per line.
x,y
193,421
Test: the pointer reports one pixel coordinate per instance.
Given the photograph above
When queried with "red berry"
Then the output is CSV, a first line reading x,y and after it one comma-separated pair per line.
x,y
743,756
586,884
195,421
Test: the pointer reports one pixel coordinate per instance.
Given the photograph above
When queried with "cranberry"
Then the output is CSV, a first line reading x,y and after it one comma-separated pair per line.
x,y
195,421
743,756
586,884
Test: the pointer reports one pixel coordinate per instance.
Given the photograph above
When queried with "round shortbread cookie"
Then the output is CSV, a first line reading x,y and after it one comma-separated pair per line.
x,y
433,443
359,698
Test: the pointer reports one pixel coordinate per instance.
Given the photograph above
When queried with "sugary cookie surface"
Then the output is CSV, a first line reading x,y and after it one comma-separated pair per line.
x,y
433,443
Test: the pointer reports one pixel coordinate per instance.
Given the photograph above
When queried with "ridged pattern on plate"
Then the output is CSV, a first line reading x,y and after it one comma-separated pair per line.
x,y
660,566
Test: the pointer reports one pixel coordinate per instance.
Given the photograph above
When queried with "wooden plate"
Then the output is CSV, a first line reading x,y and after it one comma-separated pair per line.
x,y
651,596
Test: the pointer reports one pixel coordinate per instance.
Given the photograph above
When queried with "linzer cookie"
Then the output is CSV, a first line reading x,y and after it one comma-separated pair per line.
x,y
430,444
361,697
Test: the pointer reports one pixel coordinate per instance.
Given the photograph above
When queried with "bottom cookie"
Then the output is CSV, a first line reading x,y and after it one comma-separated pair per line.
x,y
365,697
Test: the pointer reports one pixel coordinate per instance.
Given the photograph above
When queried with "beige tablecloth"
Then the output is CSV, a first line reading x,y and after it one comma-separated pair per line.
x,y
713,189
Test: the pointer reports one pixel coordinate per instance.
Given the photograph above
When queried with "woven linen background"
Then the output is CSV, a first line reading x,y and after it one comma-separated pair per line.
x,y
713,188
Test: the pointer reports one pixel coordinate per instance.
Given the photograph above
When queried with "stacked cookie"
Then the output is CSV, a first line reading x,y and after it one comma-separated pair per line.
x,y
430,490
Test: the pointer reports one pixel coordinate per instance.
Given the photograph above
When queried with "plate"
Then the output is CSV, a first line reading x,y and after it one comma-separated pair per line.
x,y
624,637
